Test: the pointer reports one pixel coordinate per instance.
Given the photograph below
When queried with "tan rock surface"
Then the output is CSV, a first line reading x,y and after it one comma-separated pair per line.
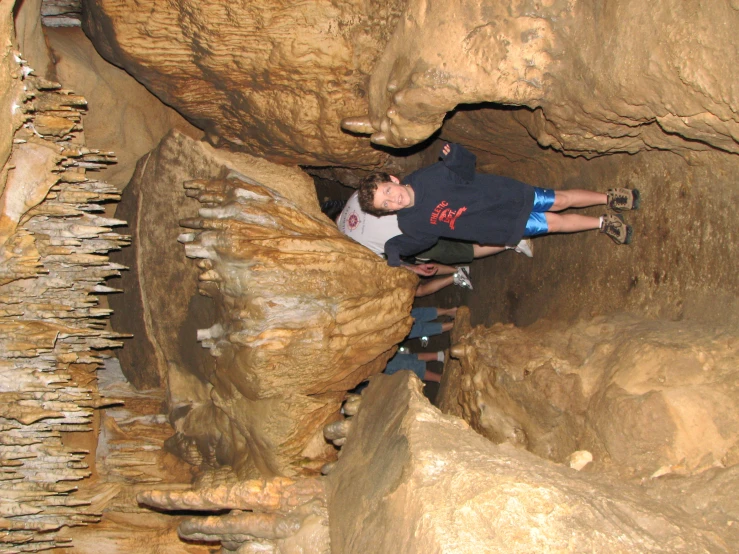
x,y
279,516
53,266
273,78
297,313
597,79
122,115
413,480
648,397
11,87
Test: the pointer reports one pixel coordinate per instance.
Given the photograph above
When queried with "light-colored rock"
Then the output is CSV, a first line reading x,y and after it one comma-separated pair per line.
x,y
292,313
580,459
640,395
595,79
53,261
122,116
413,480
280,515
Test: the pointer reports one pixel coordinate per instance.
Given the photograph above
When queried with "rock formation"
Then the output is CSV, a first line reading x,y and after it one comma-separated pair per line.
x,y
420,481
577,67
595,79
294,314
277,516
250,329
274,79
644,397
53,245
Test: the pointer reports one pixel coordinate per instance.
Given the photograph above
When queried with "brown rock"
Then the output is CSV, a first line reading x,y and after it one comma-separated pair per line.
x,y
622,79
411,479
625,389
295,314
122,115
274,79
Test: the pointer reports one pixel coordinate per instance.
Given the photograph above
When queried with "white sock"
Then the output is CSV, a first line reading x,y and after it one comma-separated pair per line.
x,y
440,356
600,225
510,247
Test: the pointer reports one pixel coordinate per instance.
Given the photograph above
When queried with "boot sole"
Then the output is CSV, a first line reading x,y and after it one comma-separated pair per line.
x,y
629,234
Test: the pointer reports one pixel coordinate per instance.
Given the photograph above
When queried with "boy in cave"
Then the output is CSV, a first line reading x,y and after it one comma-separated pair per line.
x,y
450,199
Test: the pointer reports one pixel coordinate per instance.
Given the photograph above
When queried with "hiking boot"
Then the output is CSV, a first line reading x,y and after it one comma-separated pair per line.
x,y
621,199
462,278
525,247
615,227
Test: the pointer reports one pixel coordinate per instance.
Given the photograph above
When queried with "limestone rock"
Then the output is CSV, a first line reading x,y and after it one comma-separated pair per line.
x,y
292,313
595,79
280,516
122,115
413,480
274,79
648,397
53,264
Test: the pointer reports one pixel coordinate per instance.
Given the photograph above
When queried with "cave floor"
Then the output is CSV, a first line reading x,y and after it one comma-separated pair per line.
x,y
680,264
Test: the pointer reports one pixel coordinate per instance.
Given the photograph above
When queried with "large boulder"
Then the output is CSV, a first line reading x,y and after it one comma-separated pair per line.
x,y
413,480
646,398
291,312
594,78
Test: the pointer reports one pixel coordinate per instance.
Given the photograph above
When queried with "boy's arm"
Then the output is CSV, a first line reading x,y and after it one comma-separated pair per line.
x,y
405,245
459,160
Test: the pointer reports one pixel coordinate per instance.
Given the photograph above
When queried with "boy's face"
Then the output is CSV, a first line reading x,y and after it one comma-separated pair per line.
x,y
392,196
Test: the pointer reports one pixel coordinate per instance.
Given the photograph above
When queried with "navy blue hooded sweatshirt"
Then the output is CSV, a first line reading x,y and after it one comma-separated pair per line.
x,y
453,201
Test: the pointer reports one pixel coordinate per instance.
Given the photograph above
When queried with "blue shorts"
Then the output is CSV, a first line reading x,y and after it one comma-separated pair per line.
x,y
406,361
424,324
537,222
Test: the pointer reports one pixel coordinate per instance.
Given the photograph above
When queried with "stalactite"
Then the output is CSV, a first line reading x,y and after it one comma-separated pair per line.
x,y
280,515
53,244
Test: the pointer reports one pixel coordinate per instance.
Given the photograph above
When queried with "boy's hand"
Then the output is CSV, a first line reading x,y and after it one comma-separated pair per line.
x,y
446,149
425,270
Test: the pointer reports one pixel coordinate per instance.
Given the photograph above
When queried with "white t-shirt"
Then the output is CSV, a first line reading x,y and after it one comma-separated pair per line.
x,y
367,229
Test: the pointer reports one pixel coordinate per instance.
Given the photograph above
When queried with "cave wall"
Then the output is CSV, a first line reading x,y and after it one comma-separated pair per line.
x,y
645,398
271,78
595,77
585,109
412,479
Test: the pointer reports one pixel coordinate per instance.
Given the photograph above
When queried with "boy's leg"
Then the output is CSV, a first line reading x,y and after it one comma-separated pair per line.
x,y
424,314
406,361
431,376
425,329
611,225
483,251
576,198
571,223
451,312
428,356
434,285
523,247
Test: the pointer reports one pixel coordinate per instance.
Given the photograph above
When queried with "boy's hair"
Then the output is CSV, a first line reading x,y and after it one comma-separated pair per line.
x,y
367,192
